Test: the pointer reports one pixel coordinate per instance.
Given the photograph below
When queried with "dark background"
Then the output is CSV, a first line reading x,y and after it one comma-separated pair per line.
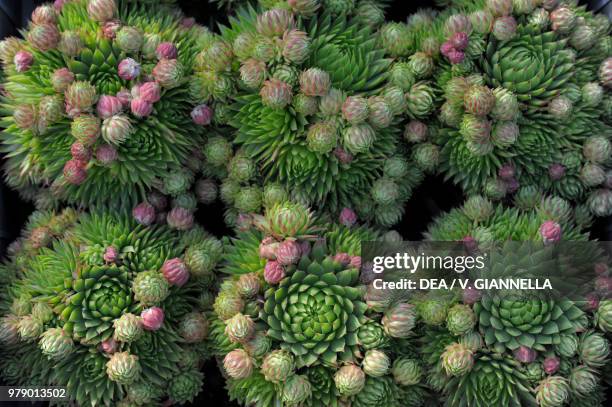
x,y
433,197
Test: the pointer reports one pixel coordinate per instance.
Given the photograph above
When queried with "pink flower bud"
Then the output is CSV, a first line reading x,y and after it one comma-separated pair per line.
x,y
273,272
128,69
524,354
343,258
415,131
61,79
304,248
23,61
459,41
80,152
166,50
550,232
601,269
144,213
446,48
348,217
175,271
109,106
58,4
109,346
75,172
603,285
551,365
150,92
106,154
355,262
202,115
141,108
556,171
180,218
506,172
343,156
135,91
188,22
512,185
456,57
288,252
110,254
267,248
125,97
471,295
152,318
591,302
110,28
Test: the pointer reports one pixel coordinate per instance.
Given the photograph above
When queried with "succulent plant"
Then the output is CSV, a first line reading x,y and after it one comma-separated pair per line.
x,y
92,327
532,77
315,316
299,71
78,89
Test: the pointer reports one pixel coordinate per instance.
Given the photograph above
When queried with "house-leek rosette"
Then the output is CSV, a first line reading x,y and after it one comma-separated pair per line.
x,y
523,84
509,347
110,309
96,107
292,325
314,114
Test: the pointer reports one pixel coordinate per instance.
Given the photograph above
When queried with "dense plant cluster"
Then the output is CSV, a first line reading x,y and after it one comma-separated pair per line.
x,y
314,122
108,308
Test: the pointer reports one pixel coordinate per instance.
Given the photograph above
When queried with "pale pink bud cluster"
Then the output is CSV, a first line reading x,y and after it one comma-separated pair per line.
x,y
128,69
506,172
556,171
274,272
524,354
288,252
80,151
348,217
267,248
106,154
166,50
591,302
144,213
110,28
202,115
175,271
149,92
109,346
551,365
152,318
75,172
550,232
454,48
471,295
343,258
141,108
109,106
23,61
110,254
180,218
342,155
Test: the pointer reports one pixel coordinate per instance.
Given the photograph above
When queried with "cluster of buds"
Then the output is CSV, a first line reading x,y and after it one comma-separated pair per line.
x,y
178,218
454,48
281,254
